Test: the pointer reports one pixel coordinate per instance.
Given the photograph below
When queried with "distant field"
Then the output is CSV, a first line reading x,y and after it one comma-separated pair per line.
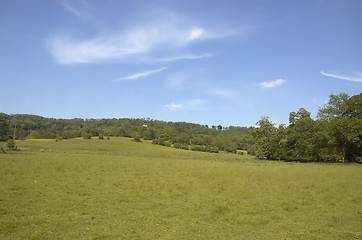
x,y
119,189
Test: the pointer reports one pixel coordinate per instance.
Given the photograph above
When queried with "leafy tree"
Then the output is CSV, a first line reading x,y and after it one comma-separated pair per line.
x,y
34,134
4,130
343,115
300,136
264,146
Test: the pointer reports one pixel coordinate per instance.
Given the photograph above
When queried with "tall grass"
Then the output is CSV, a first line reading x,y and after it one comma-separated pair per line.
x,y
118,189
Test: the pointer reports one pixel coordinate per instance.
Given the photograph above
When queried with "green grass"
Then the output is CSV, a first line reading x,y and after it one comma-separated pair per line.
x,y
118,189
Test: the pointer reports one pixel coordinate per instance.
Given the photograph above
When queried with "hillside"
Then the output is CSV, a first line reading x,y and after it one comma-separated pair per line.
x,y
25,126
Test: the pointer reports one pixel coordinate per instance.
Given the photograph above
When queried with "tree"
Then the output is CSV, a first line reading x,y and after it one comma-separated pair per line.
x,y
343,115
34,134
300,136
4,130
265,144
336,107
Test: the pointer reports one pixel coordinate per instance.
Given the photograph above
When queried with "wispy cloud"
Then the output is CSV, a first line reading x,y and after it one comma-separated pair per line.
x,y
143,42
356,78
173,106
272,84
79,8
183,57
139,75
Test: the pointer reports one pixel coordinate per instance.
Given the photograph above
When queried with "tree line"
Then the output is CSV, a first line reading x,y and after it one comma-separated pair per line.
x,y
335,136
177,134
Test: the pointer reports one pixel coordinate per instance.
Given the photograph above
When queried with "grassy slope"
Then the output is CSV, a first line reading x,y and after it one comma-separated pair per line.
x,y
117,189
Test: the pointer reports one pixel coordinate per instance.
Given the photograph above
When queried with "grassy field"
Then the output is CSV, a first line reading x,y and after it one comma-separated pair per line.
x,y
119,189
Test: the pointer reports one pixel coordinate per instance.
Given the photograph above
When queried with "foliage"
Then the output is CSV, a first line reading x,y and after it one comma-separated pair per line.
x,y
10,145
4,130
334,137
160,132
87,135
137,139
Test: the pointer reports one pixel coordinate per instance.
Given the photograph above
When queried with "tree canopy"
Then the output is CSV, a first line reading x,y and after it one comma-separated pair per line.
x,y
335,135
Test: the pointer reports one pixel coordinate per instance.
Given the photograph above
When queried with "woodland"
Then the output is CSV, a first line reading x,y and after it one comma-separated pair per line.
x,y
334,136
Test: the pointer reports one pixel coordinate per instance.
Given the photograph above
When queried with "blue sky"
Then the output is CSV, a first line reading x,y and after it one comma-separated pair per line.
x,y
200,61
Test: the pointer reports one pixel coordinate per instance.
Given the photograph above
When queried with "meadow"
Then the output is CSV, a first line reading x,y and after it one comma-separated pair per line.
x,y
119,189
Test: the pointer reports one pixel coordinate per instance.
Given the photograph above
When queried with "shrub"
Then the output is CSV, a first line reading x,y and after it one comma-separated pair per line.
x,y
87,136
136,139
181,146
10,145
198,148
100,136
213,149
58,139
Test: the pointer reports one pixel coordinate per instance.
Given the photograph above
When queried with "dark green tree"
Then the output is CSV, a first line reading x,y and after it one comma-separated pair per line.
x,y
301,136
4,130
342,115
265,139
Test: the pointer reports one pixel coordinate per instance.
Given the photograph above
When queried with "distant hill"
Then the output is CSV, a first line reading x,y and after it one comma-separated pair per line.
x,y
231,138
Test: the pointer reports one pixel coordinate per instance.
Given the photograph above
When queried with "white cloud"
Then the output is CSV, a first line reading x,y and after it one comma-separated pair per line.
x,y
67,51
173,106
137,43
272,84
139,75
356,78
79,8
195,33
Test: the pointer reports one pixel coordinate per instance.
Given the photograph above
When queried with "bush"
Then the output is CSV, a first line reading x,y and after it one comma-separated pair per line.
x,y
136,139
11,146
198,148
87,136
213,149
58,139
230,149
181,146
158,141
100,136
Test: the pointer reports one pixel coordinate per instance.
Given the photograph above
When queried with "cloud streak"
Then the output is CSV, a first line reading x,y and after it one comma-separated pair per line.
x,y
184,57
271,84
80,11
356,78
139,75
